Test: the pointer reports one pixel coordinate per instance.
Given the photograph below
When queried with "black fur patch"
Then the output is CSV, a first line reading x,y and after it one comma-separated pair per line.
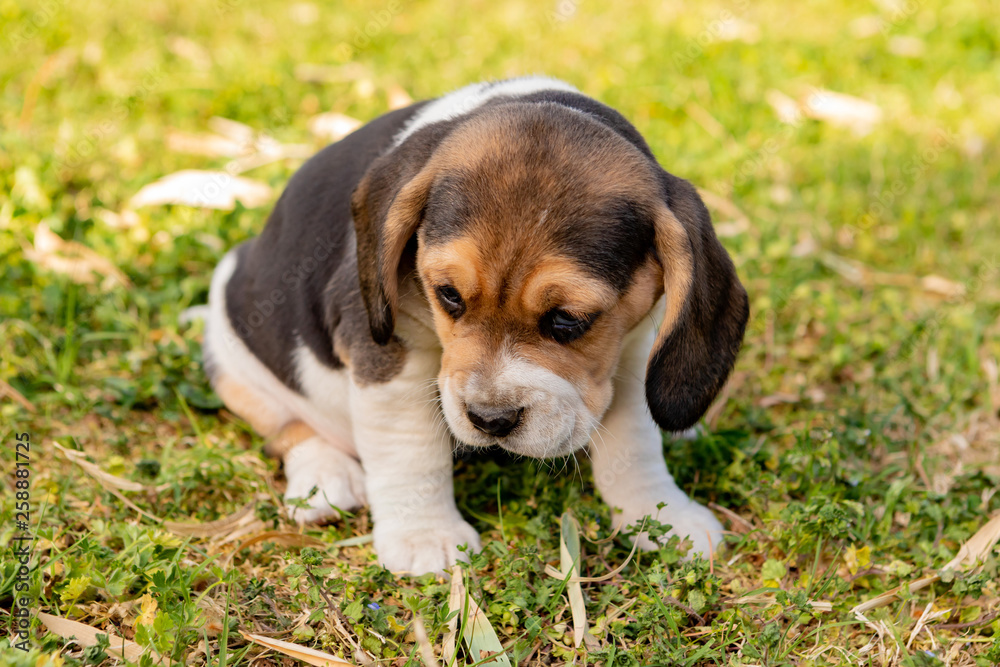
x,y
611,243
601,112
278,294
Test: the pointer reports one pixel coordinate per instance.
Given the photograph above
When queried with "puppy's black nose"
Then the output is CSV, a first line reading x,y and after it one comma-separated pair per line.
x,y
494,421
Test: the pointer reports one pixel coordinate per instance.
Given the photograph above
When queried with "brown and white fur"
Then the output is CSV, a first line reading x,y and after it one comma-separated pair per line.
x,y
506,265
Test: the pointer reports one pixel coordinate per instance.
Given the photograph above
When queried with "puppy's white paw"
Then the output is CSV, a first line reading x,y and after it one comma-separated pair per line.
x,y
337,477
420,546
687,518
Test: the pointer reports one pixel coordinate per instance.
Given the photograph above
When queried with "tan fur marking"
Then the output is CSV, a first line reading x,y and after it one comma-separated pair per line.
x,y
247,404
287,438
674,249
559,282
400,223
456,263
342,351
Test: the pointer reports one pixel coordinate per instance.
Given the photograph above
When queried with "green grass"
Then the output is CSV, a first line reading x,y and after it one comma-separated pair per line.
x,y
860,442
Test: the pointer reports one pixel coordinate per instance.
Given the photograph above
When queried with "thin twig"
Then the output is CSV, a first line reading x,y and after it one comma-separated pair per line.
x,y
971,624
865,573
683,607
16,396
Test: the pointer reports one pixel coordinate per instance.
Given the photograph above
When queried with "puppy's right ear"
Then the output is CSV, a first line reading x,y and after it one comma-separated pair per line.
x,y
706,315
387,207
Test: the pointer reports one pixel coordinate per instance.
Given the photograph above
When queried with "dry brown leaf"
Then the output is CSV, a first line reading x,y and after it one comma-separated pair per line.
x,y
480,638
285,539
857,273
398,98
942,286
610,574
332,126
237,140
456,598
764,599
708,122
191,51
907,46
85,635
234,130
211,145
969,556
978,547
925,619
851,271
127,219
739,525
887,597
250,526
207,189
424,643
804,248
569,566
106,478
212,528
868,25
73,259
736,221
16,396
260,147
267,154
304,13
728,230
785,107
303,653
714,411
857,114
778,399
110,482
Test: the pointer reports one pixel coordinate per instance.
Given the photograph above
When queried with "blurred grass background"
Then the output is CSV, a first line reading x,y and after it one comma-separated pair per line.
x,y
859,441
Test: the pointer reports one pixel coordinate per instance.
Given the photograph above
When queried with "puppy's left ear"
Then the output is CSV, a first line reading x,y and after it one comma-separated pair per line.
x,y
387,207
706,315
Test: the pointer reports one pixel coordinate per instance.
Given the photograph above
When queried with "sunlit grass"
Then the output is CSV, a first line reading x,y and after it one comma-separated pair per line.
x,y
859,443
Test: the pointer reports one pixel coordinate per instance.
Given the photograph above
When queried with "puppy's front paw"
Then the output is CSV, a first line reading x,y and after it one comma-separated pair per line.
x,y
418,547
336,476
687,518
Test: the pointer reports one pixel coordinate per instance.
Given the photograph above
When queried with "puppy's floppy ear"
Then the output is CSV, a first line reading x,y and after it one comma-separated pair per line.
x,y
706,315
387,207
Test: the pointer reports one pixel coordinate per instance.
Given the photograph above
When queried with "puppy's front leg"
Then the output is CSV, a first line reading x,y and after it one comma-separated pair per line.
x,y
405,449
627,454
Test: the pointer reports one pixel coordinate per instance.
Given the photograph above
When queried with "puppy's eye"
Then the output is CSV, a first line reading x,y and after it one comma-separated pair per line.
x,y
450,300
564,328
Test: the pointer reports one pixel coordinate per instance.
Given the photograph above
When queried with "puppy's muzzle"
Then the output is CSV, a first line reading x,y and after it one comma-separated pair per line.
x,y
497,422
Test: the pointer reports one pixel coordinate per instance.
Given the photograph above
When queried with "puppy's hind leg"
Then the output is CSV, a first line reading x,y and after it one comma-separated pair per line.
x,y
311,462
266,417
319,472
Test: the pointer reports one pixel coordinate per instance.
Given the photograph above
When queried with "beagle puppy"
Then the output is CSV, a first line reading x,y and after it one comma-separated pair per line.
x,y
506,265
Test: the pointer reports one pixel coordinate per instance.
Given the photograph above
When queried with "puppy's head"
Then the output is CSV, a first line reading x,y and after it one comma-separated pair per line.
x,y
542,237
